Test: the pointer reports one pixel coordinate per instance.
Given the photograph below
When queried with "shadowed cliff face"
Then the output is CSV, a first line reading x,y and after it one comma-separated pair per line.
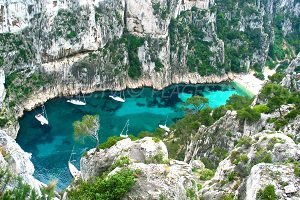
x,y
62,47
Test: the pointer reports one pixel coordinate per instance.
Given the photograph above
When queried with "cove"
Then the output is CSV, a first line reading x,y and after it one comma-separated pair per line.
x,y
146,108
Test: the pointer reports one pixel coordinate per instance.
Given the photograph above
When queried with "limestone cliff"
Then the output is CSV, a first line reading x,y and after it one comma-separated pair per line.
x,y
63,47
159,177
17,162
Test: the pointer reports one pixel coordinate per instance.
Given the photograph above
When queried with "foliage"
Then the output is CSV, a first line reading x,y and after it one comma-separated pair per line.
x,y
248,114
259,75
112,187
20,85
133,43
275,95
261,108
245,141
268,193
196,103
262,156
87,127
206,174
273,141
238,102
158,65
219,112
237,157
111,141
276,78
121,162
20,189
297,169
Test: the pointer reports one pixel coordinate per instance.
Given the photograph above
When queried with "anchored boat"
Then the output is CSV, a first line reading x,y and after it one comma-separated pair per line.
x,y
118,98
78,102
42,117
73,170
164,127
126,133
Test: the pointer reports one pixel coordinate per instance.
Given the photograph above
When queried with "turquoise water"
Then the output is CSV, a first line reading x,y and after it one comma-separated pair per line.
x,y
146,108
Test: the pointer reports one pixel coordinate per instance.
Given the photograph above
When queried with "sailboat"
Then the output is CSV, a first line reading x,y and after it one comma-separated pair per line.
x,y
73,170
78,102
118,98
126,126
164,127
42,117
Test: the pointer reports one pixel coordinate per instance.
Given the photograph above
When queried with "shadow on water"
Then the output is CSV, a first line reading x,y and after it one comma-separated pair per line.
x,y
51,145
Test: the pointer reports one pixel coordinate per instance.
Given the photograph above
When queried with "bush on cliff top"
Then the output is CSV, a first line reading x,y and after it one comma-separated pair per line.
x,y
104,188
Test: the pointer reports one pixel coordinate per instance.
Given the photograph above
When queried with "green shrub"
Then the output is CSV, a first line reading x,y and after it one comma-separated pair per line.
x,y
245,141
111,141
238,157
262,156
238,102
158,65
273,141
219,112
121,162
276,78
248,114
112,187
268,193
297,169
227,197
3,122
259,75
261,108
231,176
206,174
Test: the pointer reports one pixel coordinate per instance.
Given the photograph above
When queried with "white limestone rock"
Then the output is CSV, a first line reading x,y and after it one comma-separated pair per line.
x,y
13,158
140,151
287,185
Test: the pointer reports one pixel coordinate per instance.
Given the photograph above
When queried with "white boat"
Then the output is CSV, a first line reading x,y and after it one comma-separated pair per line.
x,y
116,98
42,117
164,127
126,133
78,102
73,170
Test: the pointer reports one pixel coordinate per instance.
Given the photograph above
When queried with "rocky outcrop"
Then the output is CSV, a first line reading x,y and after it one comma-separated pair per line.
x,y
158,177
233,176
292,78
16,161
287,185
142,151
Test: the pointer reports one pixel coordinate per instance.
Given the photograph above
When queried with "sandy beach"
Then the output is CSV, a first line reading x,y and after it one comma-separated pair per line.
x,y
250,83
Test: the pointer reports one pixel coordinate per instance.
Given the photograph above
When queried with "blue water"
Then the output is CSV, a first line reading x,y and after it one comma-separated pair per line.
x,y
51,145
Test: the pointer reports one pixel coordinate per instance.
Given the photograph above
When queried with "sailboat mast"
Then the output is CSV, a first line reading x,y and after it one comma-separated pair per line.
x,y
44,112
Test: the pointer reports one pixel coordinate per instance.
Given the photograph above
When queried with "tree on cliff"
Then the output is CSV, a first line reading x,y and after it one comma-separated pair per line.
x,y
196,103
87,127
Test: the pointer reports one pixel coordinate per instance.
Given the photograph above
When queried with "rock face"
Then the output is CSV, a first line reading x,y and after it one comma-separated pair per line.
x,y
159,178
286,184
141,151
2,89
268,159
292,78
14,159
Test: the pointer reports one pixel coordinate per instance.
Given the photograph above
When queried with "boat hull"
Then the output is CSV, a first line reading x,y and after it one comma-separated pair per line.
x,y
164,127
77,102
116,98
73,170
41,119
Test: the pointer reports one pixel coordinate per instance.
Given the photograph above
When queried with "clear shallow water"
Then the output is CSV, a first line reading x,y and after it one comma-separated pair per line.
x,y
51,145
